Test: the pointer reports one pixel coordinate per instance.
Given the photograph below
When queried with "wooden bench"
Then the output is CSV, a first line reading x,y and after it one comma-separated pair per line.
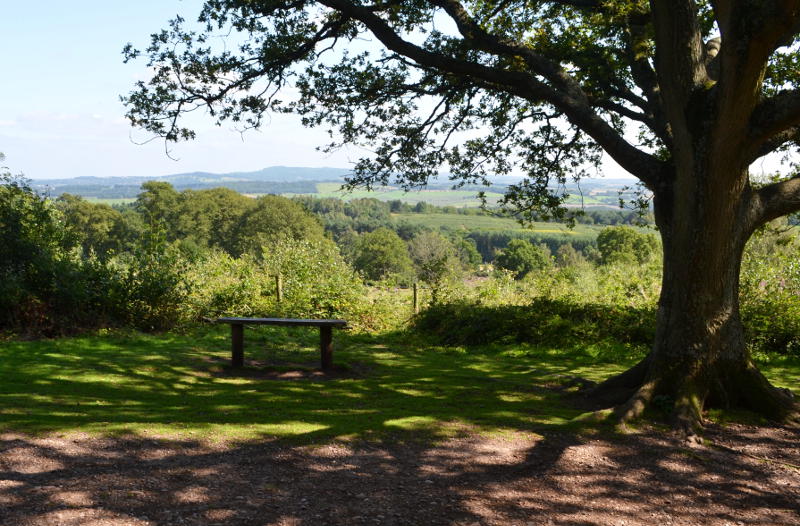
x,y
325,335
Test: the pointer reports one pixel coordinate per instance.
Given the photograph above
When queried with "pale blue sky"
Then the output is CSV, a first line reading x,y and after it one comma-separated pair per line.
x,y
60,116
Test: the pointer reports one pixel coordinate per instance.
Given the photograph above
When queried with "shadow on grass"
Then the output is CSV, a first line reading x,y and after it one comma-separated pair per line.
x,y
181,384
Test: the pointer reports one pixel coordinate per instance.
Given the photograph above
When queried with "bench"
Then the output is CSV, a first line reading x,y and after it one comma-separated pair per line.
x,y
325,335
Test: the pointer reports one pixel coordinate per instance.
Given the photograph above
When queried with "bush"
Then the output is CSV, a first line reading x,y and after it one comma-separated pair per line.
x,y
46,288
522,257
558,323
152,291
382,254
770,293
624,244
435,260
317,283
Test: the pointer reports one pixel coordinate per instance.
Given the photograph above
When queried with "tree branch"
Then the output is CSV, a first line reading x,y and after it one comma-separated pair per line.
x,y
775,143
645,78
774,121
679,56
750,34
775,200
571,100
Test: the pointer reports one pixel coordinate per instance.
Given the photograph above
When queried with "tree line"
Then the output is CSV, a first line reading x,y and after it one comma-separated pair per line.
x,y
74,263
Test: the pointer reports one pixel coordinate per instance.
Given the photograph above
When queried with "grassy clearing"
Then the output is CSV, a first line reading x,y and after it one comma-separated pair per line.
x,y
179,385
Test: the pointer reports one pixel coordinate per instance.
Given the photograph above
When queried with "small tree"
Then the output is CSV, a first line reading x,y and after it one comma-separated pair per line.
x,y
96,226
522,257
567,256
381,254
271,219
467,252
623,244
434,258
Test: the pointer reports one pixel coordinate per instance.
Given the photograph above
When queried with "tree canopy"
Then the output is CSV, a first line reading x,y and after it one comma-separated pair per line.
x,y
683,94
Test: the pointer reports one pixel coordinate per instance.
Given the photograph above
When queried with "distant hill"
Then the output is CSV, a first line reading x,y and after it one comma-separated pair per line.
x,y
272,180
295,180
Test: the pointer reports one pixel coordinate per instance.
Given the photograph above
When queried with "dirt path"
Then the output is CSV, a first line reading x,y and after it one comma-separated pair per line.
x,y
641,479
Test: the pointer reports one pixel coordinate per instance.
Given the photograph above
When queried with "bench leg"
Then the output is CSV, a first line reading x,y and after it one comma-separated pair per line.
x,y
326,347
237,345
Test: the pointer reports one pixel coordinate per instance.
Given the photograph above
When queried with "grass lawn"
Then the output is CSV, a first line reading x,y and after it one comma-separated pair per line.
x,y
179,385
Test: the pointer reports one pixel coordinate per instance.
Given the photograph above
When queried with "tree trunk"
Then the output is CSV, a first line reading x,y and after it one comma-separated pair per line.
x,y
699,356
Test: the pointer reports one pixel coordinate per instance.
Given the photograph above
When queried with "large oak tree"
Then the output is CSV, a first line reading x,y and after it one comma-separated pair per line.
x,y
683,94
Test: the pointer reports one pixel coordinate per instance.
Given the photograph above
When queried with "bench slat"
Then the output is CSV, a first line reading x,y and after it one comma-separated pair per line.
x,y
284,321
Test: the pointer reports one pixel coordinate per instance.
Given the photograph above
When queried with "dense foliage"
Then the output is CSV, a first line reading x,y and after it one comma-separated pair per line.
x,y
179,257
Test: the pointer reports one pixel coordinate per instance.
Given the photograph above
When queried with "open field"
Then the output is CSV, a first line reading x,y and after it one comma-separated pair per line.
x,y
457,198
490,224
439,197
111,201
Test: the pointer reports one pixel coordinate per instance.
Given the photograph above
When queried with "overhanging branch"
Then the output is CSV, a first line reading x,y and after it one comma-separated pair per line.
x,y
572,102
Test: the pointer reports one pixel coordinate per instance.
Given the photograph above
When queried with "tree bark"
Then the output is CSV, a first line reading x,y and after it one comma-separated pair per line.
x,y
699,356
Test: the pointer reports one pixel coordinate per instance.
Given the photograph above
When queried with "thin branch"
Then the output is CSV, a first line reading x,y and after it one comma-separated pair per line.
x,y
570,101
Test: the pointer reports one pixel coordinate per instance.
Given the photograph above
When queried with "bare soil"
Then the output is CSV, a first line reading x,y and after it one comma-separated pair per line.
x,y
743,476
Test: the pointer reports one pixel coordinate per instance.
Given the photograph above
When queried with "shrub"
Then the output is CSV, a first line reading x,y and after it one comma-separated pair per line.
x,y
435,260
770,293
522,257
544,321
381,254
624,244
152,291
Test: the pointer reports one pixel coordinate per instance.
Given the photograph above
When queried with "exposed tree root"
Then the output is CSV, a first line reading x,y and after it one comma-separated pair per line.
x,y
741,385
636,404
620,388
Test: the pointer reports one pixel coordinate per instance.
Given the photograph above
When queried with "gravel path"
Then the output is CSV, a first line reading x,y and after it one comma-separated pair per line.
x,y
750,476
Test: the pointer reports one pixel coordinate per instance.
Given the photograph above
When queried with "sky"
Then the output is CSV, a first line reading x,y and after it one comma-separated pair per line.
x,y
60,115
61,76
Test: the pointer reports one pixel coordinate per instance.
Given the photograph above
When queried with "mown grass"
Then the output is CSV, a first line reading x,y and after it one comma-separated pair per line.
x,y
180,384
388,386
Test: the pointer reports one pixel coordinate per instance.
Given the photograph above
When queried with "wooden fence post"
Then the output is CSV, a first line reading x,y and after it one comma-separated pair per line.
x,y
279,287
416,298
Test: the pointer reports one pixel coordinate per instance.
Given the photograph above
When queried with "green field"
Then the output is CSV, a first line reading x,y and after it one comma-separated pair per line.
x,y
490,223
111,201
457,198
